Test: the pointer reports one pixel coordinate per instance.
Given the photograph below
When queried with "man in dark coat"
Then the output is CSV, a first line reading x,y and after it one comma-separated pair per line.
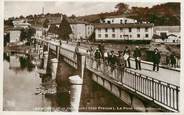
x,y
137,56
173,60
156,59
98,56
112,60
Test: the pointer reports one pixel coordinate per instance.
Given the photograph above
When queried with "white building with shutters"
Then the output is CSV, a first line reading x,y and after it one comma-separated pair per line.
x,y
121,28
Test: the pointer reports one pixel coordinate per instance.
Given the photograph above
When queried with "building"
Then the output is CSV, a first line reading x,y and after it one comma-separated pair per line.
x,y
167,34
15,35
121,28
21,24
117,20
80,29
39,32
123,31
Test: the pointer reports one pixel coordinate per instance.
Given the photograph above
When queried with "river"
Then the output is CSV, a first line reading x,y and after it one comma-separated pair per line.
x,y
23,89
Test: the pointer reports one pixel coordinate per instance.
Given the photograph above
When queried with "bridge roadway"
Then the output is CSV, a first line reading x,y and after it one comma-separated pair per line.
x,y
171,76
161,87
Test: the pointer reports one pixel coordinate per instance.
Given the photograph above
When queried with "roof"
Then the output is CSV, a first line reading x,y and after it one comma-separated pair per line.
x,y
171,29
123,25
118,16
71,21
75,21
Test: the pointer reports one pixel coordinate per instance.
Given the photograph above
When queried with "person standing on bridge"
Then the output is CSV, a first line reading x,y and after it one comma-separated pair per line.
x,y
126,55
112,60
137,56
76,51
156,59
98,56
173,59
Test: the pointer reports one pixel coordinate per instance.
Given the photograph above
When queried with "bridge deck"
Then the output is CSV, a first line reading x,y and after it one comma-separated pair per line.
x,y
164,74
161,86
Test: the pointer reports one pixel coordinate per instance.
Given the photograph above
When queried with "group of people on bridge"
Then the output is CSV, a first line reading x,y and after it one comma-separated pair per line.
x,y
122,58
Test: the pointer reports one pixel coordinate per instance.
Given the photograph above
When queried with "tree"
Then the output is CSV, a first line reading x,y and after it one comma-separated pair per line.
x,y
27,33
6,39
122,7
21,17
46,23
9,22
73,16
64,29
53,29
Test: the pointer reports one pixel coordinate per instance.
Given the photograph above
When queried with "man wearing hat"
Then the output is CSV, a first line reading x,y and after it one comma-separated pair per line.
x,y
137,56
98,55
156,59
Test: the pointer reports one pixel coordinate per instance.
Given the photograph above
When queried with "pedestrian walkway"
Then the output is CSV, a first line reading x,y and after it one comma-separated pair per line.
x,y
166,75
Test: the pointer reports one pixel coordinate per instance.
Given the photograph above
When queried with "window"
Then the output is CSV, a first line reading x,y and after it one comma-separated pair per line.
x,y
113,30
112,20
163,35
138,29
106,35
138,35
130,29
121,21
99,35
99,30
125,21
106,29
130,36
109,22
121,36
121,29
113,35
146,35
146,29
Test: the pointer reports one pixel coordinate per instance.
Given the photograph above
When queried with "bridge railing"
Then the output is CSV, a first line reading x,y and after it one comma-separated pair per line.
x,y
158,91
154,89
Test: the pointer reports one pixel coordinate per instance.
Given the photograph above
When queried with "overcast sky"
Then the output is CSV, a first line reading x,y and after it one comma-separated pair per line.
x,y
17,8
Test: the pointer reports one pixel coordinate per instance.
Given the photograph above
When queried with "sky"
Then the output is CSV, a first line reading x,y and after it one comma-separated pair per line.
x,y
17,8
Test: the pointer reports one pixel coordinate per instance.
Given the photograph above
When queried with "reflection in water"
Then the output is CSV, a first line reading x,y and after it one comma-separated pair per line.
x,y
21,85
29,90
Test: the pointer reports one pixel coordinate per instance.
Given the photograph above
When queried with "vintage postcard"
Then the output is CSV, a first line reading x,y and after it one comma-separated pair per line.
x,y
94,56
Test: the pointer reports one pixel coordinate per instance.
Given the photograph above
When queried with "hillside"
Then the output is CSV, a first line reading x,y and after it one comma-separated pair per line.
x,y
163,14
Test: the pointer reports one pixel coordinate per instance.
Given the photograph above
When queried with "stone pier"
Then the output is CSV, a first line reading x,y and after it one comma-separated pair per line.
x,y
75,92
54,64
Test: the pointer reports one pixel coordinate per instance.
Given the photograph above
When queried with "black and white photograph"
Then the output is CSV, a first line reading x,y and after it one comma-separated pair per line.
x,y
92,56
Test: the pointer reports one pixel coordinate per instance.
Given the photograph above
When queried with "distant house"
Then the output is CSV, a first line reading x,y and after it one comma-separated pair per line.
x,y
167,34
38,32
20,24
120,28
80,29
15,35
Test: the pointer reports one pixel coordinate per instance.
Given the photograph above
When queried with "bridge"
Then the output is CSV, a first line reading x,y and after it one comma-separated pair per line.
x,y
136,88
